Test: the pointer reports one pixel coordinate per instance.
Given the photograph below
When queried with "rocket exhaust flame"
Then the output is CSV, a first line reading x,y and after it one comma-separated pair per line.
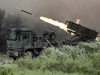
x,y
78,21
97,39
55,23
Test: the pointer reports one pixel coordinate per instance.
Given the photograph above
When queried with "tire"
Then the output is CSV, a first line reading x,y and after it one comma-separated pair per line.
x,y
37,51
14,58
29,54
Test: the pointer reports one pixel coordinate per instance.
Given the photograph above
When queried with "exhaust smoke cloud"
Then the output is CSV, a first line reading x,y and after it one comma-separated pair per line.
x,y
61,10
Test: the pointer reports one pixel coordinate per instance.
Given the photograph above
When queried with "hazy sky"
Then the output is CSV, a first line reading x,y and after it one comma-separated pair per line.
x,y
85,10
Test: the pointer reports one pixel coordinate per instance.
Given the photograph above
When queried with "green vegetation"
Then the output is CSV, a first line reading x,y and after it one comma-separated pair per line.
x,y
2,17
14,70
7,22
81,59
1,60
2,39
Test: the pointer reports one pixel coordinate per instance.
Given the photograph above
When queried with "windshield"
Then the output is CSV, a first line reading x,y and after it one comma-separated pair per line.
x,y
24,35
11,35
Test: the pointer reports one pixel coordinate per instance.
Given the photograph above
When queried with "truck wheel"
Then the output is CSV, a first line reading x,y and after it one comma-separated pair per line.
x,y
28,54
37,51
14,58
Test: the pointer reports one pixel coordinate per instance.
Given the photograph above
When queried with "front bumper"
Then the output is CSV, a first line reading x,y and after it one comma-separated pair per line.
x,y
12,53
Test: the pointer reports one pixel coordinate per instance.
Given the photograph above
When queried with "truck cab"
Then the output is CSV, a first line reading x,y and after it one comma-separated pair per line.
x,y
22,40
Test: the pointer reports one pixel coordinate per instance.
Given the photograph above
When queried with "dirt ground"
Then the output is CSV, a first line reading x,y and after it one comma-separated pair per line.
x,y
4,59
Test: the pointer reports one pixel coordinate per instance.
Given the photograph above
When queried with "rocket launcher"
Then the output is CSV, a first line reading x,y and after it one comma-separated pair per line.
x,y
82,31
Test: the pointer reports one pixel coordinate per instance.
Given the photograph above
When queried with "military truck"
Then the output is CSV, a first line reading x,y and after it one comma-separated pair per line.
x,y
24,42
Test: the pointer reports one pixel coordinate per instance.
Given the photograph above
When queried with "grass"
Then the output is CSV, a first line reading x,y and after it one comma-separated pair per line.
x,y
72,60
1,60
14,70
3,56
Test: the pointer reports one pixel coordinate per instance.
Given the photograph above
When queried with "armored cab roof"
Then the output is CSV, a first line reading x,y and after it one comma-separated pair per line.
x,y
19,29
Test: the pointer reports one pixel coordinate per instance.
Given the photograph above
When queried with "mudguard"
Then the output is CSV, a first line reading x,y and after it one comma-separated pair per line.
x,y
28,47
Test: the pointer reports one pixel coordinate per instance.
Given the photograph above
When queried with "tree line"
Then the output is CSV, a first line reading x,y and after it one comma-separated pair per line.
x,y
8,21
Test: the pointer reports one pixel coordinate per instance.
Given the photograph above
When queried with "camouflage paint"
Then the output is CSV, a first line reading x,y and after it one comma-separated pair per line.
x,y
25,40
